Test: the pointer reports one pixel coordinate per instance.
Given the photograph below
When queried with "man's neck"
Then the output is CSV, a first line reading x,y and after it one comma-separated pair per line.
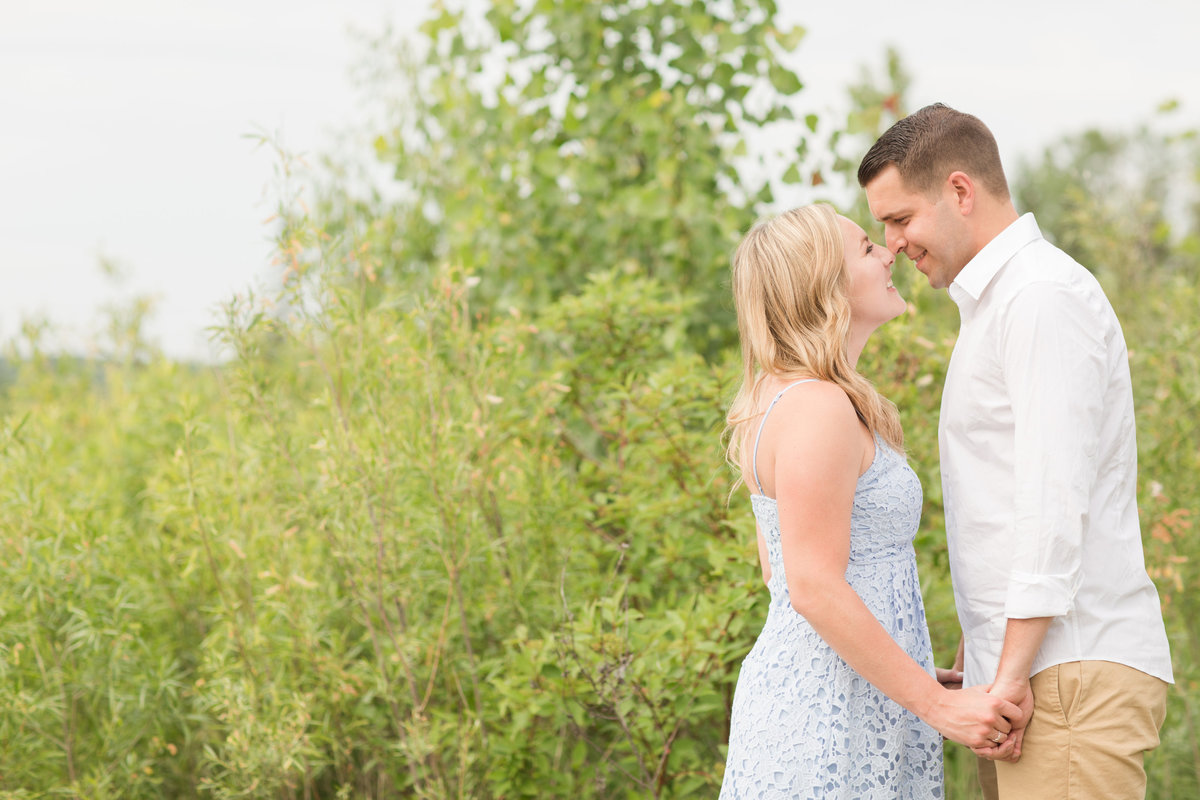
x,y
994,217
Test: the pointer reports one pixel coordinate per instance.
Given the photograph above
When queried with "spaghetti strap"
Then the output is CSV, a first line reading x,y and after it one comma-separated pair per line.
x,y
758,438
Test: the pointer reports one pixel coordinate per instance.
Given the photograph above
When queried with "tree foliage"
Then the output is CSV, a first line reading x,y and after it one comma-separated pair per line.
x,y
543,141
1125,204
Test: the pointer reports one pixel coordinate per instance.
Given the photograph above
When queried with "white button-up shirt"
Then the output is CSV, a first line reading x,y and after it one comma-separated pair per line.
x,y
1039,464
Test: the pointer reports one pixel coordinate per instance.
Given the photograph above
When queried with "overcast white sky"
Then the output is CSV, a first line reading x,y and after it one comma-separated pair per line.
x,y
123,124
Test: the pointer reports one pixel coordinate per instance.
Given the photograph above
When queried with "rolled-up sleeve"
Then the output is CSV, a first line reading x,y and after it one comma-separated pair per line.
x,y
1054,363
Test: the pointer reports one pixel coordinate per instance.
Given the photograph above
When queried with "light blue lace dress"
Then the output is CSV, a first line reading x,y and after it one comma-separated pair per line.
x,y
806,725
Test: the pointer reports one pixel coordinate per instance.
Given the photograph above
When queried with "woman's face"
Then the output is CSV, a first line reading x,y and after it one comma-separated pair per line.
x,y
873,299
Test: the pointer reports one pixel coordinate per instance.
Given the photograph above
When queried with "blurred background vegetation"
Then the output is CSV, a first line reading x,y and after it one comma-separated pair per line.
x,y
453,519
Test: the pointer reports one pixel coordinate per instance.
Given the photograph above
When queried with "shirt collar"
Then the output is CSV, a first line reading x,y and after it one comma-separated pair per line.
x,y
974,278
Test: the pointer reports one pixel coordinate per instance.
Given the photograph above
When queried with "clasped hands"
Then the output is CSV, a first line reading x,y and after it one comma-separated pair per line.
x,y
1005,743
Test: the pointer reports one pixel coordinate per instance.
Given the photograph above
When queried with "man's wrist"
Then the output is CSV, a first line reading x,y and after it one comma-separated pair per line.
x,y
1022,640
1010,680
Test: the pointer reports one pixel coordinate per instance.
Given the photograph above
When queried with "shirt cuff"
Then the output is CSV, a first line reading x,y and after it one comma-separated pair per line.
x,y
1031,595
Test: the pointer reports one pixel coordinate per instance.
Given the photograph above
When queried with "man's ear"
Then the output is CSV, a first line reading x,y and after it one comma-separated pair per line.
x,y
962,188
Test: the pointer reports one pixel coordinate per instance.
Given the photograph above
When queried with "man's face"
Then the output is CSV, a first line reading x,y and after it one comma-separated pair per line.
x,y
927,228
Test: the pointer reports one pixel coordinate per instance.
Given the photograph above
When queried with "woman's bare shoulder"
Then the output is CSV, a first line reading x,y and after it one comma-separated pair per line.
x,y
815,414
816,400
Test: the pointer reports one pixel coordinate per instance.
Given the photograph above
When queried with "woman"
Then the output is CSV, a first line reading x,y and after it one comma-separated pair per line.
x,y
838,697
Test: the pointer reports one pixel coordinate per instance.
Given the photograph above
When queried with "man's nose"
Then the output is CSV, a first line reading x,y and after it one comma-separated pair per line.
x,y
894,240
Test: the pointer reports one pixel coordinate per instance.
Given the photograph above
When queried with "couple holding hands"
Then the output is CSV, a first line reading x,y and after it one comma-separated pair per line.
x,y
1062,673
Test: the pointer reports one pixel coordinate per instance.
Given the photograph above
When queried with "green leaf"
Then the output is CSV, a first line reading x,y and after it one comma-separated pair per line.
x,y
790,38
784,80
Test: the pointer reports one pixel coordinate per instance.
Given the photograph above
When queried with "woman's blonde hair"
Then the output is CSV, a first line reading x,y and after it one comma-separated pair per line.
x,y
790,290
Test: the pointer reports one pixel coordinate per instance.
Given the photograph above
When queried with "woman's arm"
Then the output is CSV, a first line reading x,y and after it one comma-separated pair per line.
x,y
818,450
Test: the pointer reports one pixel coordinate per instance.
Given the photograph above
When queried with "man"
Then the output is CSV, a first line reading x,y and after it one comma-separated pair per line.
x,y
1039,470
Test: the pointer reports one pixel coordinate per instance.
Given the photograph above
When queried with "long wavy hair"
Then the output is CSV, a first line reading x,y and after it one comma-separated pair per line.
x,y
790,290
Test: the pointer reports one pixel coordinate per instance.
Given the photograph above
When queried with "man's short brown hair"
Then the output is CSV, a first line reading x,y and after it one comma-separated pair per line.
x,y
928,145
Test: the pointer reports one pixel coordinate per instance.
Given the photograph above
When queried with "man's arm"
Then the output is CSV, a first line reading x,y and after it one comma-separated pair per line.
x,y
1022,638
1055,371
1054,366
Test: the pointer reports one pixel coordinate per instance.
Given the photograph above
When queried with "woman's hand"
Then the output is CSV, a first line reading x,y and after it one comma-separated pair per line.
x,y
949,678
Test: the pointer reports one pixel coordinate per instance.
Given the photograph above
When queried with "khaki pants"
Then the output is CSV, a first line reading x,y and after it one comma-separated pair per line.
x,y
1092,724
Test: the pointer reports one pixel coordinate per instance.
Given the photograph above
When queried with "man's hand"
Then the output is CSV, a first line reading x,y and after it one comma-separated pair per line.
x,y
1019,694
